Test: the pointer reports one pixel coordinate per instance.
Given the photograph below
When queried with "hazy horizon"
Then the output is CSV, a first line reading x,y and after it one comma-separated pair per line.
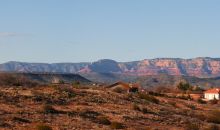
x,y
112,59
48,31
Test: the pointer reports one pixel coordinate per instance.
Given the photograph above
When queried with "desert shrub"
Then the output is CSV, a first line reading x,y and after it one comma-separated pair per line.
x,y
201,117
118,90
72,113
214,117
184,86
191,106
4,125
103,120
172,103
89,114
156,94
48,109
43,127
97,99
128,118
66,91
76,84
87,87
116,125
188,97
200,101
192,126
136,107
164,89
148,98
61,82
129,97
213,102
212,127
145,110
38,97
22,120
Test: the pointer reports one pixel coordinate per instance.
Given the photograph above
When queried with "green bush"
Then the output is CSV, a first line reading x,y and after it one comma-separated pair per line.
x,y
116,125
184,86
148,98
43,127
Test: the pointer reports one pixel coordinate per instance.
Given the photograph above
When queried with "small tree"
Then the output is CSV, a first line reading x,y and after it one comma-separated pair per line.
x,y
61,82
184,86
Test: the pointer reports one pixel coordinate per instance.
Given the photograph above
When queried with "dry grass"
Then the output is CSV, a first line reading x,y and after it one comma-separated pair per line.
x,y
43,127
69,108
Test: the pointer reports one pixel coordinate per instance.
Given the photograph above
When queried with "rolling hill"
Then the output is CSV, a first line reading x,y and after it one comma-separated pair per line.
x,y
30,79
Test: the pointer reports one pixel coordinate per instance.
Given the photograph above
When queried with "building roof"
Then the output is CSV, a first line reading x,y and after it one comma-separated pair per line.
x,y
119,83
126,85
214,90
135,85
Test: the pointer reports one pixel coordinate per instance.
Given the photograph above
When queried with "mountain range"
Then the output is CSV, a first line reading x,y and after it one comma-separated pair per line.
x,y
199,67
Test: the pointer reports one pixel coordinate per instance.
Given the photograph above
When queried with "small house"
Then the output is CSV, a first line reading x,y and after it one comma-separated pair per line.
x,y
212,94
126,87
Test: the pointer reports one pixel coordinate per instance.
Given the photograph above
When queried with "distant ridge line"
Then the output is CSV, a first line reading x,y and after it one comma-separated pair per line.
x,y
198,67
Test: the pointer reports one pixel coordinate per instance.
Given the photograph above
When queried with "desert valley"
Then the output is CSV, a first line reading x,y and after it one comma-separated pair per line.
x,y
109,65
106,99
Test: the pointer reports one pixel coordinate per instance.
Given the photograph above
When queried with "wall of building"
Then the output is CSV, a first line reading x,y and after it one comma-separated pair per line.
x,y
211,96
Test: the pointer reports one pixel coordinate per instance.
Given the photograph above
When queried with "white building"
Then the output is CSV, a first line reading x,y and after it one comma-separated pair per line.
x,y
212,94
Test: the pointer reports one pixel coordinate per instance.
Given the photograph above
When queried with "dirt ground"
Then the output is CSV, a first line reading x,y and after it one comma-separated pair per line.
x,y
64,107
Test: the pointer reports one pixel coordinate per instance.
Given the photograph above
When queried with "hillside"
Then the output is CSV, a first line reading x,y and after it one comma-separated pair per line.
x,y
65,107
198,67
150,81
25,79
14,66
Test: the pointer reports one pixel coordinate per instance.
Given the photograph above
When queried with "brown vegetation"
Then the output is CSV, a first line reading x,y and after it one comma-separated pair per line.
x,y
66,107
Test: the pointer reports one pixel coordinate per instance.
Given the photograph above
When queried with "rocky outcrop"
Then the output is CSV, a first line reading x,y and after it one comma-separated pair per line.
x,y
199,67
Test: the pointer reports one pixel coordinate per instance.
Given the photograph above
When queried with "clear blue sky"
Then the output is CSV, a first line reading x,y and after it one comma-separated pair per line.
x,y
123,30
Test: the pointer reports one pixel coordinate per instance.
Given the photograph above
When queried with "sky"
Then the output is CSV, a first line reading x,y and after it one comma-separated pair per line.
x,y
123,30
